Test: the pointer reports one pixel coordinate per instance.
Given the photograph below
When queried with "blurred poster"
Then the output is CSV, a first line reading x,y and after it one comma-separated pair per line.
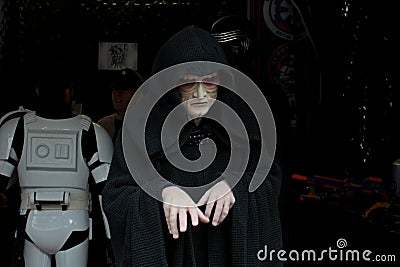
x,y
116,56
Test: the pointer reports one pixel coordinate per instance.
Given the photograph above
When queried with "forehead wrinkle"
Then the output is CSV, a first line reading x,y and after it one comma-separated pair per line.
x,y
199,78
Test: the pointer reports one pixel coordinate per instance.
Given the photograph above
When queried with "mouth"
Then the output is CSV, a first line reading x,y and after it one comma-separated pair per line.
x,y
202,103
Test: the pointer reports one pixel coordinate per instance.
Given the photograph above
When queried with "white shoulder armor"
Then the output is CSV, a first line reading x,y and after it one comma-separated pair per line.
x,y
85,121
105,146
9,114
7,132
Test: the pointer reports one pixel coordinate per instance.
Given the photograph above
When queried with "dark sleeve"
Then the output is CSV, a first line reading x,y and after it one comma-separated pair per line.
x,y
134,217
256,219
269,173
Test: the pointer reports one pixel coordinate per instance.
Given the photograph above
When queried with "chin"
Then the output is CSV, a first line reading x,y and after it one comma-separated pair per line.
x,y
197,114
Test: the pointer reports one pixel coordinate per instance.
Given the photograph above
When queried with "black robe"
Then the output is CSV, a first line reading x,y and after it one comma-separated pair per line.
x,y
140,236
139,232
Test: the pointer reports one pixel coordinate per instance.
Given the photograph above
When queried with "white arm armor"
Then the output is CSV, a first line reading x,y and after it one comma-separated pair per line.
x,y
7,132
105,149
14,176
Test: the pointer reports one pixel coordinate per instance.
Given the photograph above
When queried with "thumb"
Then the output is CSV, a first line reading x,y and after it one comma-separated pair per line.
x,y
203,218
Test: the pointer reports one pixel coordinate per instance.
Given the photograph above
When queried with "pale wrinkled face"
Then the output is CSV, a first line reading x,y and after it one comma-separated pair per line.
x,y
200,93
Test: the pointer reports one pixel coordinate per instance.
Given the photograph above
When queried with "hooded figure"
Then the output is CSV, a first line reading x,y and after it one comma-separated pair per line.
x,y
223,228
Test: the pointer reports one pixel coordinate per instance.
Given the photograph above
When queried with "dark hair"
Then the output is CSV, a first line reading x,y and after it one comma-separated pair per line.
x,y
51,86
52,79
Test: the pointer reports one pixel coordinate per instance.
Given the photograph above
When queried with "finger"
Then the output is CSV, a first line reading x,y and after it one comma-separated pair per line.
x,y
209,208
167,213
225,211
210,204
217,212
173,222
182,220
166,210
202,217
232,202
194,216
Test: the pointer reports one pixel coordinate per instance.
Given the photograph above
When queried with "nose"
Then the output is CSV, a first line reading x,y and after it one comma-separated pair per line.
x,y
200,91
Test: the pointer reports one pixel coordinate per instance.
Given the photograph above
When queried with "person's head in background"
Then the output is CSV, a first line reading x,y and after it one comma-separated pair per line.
x,y
54,92
237,37
124,87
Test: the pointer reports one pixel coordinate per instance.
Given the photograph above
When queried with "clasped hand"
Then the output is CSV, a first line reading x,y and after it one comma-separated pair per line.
x,y
177,205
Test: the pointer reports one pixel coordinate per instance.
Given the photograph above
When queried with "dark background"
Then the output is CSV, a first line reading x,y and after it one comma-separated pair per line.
x,y
343,60
41,34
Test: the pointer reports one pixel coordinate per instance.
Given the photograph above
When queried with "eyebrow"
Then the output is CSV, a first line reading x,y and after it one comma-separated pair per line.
x,y
195,77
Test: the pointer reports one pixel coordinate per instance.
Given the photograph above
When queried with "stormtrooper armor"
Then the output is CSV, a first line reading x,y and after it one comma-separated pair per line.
x,y
8,116
53,169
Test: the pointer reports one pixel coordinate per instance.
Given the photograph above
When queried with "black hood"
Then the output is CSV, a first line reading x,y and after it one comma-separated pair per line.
x,y
189,45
